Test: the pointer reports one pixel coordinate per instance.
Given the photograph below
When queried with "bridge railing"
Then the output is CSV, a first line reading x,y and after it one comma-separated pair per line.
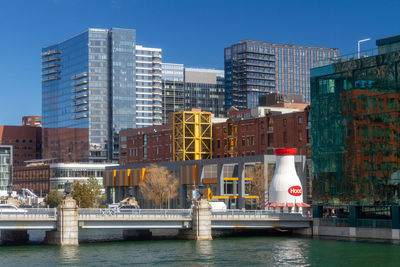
x,y
29,213
139,213
254,214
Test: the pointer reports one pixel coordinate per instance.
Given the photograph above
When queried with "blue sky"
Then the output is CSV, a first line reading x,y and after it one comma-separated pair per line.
x,y
190,32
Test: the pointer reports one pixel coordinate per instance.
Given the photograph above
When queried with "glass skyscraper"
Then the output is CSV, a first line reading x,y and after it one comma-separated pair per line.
x,y
89,93
173,89
204,89
253,68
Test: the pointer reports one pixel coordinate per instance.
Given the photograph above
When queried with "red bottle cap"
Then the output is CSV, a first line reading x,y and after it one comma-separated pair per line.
x,y
285,151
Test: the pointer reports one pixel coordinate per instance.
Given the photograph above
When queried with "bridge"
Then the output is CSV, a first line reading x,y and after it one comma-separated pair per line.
x,y
63,224
46,219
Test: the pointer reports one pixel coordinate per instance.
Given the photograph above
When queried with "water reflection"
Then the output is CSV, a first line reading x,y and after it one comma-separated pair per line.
x,y
69,255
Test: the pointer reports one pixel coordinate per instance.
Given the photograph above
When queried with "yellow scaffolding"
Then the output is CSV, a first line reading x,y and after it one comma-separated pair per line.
x,y
232,139
192,135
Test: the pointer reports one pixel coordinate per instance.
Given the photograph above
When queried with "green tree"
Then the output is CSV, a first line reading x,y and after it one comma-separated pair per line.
x,y
53,199
83,194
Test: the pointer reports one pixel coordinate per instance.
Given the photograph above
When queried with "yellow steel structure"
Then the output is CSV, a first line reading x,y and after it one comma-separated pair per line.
x,y
192,135
232,139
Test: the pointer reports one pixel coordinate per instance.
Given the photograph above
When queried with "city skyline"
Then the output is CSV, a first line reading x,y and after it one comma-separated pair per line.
x,y
27,30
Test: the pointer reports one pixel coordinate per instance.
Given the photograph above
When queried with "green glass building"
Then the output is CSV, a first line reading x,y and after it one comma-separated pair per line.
x,y
355,116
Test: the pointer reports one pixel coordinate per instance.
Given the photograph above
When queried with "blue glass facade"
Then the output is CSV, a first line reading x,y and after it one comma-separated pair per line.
x,y
173,89
89,94
253,68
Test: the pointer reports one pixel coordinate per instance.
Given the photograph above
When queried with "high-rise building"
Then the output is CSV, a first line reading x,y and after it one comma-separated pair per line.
x,y
95,84
253,68
204,89
173,89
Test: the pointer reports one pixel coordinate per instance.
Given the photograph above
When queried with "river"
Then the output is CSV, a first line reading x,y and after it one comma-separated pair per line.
x,y
233,251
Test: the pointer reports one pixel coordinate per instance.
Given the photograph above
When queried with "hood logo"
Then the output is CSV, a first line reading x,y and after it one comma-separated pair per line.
x,y
295,190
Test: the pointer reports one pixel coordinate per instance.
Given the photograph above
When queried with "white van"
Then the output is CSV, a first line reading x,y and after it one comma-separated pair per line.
x,y
218,206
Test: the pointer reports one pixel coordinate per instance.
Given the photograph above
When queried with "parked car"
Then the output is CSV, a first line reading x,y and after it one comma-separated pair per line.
x,y
7,208
127,208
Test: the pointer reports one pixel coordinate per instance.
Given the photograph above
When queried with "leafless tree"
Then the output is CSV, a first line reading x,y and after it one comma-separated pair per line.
x,y
158,185
257,184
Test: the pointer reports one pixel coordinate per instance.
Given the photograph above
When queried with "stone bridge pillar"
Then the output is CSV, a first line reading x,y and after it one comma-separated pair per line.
x,y
201,222
67,225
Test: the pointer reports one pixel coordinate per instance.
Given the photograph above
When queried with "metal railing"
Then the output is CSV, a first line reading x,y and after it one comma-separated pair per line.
x,y
29,213
337,222
255,214
134,213
374,223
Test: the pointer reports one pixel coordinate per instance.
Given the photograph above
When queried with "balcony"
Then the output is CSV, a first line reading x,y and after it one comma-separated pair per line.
x,y
79,83
50,66
80,103
79,76
51,79
78,90
79,96
50,72
50,59
80,110
80,117
50,52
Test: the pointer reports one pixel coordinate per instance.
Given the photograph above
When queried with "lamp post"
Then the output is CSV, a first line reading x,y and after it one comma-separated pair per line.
x,y
360,41
201,191
68,189
9,189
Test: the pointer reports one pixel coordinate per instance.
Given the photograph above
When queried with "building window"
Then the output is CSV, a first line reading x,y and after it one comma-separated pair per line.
x,y
262,125
218,143
284,122
300,119
262,139
284,138
156,150
243,141
300,136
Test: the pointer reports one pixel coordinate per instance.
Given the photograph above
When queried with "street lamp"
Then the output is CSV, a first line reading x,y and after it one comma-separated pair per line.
x,y
130,191
201,190
67,189
360,41
9,189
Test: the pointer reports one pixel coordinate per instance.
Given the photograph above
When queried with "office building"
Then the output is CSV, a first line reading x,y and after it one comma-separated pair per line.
x,y
95,84
355,103
32,121
25,140
253,68
204,89
173,89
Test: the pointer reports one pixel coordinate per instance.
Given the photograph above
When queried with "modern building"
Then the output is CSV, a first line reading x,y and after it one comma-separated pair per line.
x,y
6,159
25,140
204,89
41,177
355,103
253,68
226,178
32,121
95,84
173,89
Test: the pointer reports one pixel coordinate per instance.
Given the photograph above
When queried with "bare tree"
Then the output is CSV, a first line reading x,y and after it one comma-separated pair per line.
x,y
158,185
257,184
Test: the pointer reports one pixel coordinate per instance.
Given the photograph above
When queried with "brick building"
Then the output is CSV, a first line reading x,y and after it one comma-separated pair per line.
x,y
32,121
26,142
256,132
35,177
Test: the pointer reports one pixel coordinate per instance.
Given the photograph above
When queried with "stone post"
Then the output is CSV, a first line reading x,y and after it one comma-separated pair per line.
x,y
201,222
67,225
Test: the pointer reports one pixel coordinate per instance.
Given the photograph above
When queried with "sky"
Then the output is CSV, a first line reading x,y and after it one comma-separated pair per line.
x,y
190,32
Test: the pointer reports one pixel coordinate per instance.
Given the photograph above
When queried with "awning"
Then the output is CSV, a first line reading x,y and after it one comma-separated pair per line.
x,y
281,205
289,205
302,205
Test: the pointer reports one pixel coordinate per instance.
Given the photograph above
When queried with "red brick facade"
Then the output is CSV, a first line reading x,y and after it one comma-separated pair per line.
x,y
26,142
36,178
253,136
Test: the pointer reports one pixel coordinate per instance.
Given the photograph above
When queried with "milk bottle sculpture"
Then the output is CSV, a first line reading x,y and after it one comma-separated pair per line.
x,y
285,190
